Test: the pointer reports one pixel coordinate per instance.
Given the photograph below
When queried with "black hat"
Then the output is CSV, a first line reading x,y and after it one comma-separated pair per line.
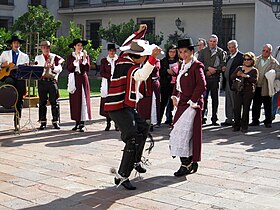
x,y
14,38
76,41
111,46
185,43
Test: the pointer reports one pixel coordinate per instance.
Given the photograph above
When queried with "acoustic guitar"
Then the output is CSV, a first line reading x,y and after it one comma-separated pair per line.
x,y
4,72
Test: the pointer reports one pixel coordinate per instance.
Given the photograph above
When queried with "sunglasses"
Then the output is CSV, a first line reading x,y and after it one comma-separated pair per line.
x,y
247,59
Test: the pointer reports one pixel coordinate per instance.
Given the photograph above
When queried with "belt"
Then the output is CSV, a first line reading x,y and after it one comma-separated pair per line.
x,y
47,79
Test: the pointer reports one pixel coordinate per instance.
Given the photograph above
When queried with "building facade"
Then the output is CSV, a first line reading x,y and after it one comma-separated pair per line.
x,y
250,22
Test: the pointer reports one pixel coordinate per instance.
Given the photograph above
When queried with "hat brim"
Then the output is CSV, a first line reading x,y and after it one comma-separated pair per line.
x,y
73,44
10,41
148,49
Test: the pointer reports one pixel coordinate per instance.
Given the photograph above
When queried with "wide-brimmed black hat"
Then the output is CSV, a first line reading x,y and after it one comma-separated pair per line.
x,y
111,46
14,38
76,41
185,43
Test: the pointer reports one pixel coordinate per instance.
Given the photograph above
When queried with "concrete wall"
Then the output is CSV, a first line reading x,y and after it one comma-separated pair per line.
x,y
197,22
267,28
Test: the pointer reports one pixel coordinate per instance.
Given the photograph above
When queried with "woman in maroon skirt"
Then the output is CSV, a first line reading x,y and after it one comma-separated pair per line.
x,y
107,66
186,135
78,64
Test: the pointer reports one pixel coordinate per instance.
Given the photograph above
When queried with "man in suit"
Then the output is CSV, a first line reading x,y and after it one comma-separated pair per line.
x,y
234,60
47,86
264,63
18,58
213,58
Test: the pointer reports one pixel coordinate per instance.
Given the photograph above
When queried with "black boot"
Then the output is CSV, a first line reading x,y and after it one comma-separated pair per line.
x,y
185,167
82,127
43,126
108,126
124,182
56,125
76,126
139,168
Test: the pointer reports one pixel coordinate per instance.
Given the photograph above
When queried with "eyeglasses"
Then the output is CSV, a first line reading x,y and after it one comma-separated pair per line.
x,y
247,59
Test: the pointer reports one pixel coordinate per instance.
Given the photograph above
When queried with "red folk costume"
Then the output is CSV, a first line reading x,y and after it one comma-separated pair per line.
x,y
193,85
82,85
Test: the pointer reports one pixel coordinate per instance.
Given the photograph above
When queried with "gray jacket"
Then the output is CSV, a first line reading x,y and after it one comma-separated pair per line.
x,y
217,60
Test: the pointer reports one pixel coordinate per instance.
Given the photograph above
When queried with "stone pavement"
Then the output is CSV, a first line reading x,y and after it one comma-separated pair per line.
x,y
57,170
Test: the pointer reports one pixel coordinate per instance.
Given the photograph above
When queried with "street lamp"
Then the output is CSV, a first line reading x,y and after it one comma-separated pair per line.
x,y
178,23
275,5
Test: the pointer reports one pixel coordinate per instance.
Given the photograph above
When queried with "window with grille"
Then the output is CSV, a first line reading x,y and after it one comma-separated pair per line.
x,y
36,3
92,28
79,2
150,23
6,22
228,32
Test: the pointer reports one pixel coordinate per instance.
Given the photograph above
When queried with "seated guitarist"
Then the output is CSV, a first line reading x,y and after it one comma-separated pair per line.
x,y
16,57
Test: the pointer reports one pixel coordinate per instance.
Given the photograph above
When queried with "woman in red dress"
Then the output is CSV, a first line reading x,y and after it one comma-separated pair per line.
x,y
186,135
78,64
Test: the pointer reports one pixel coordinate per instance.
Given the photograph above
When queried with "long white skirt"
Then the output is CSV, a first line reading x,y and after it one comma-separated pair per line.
x,y
180,142
154,110
84,109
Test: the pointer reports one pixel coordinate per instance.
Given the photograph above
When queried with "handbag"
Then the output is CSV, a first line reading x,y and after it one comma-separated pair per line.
x,y
238,84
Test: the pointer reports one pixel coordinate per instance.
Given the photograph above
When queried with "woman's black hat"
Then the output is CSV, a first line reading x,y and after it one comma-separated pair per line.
x,y
14,38
185,43
76,41
111,46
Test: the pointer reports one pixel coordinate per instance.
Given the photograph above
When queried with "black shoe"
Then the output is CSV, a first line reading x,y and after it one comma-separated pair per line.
x,y
236,129
108,127
139,168
254,124
82,128
204,121
215,124
151,128
56,126
42,126
183,171
226,124
127,185
75,128
244,130
268,125
194,168
116,128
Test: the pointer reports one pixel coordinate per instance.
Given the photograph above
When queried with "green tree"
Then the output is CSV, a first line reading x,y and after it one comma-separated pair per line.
x,y
118,33
37,19
4,36
173,39
60,44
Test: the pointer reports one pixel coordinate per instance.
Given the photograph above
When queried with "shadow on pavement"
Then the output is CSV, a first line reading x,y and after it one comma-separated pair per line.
x,y
109,196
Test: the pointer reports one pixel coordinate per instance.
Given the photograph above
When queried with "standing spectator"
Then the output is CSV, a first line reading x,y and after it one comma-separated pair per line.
x,y
48,84
276,95
234,60
186,136
242,99
15,57
201,44
264,63
167,72
107,67
78,64
213,58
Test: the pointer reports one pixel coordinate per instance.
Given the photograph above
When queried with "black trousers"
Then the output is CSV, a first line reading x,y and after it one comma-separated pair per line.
x,y
20,86
48,89
258,100
134,131
165,101
242,102
212,87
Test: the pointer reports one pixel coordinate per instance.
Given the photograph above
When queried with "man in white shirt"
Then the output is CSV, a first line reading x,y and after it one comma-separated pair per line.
x,y
15,57
48,87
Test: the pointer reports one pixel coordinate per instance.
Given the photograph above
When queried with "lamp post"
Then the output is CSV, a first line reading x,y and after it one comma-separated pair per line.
x,y
275,5
217,24
178,23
